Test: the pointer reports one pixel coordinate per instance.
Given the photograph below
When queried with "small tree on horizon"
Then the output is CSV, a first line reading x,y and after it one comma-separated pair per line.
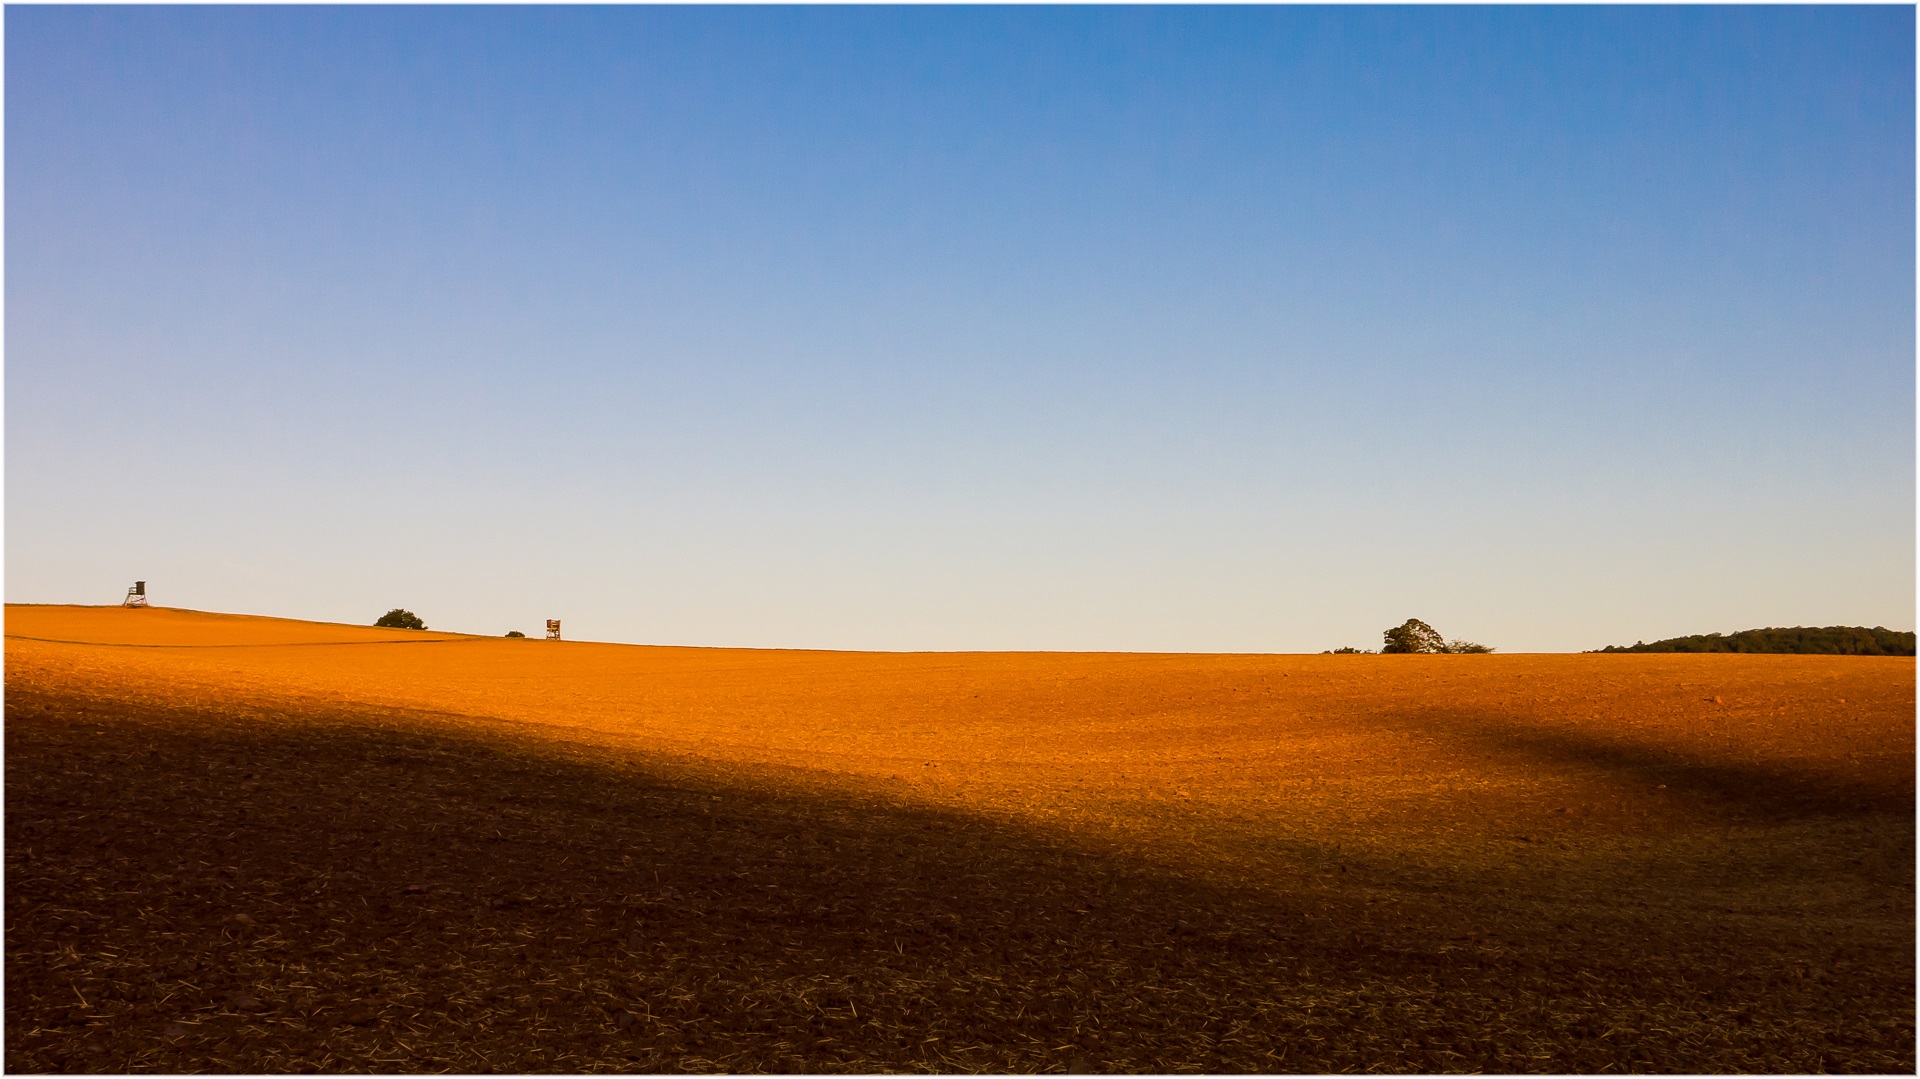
x,y
399,618
1412,637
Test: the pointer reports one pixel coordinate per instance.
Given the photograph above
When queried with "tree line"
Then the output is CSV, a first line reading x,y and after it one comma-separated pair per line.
x,y
1797,640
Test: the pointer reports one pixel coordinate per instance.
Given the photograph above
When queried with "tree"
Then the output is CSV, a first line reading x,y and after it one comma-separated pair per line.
x,y
1412,636
400,619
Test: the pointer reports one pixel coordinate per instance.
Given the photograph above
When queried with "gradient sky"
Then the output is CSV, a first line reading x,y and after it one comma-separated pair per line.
x,y
1181,329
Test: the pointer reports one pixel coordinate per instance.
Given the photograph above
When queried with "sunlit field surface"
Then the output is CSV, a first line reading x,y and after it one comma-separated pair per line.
x,y
250,844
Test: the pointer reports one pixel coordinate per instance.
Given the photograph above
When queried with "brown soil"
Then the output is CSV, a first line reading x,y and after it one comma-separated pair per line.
x,y
241,844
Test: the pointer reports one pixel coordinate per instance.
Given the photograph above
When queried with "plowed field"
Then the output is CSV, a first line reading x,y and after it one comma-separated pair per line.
x,y
250,844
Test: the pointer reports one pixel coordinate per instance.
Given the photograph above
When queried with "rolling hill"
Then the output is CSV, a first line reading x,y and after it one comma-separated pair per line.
x,y
256,844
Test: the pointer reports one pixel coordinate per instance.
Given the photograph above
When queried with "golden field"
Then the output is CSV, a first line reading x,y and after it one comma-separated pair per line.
x,y
253,844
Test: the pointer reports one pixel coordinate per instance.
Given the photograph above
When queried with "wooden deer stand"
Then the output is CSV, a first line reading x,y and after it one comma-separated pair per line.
x,y
136,596
553,629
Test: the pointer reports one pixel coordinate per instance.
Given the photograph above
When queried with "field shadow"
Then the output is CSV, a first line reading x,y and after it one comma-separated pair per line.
x,y
349,892
1749,788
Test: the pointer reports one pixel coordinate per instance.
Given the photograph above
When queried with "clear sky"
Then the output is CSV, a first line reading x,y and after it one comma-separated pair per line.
x,y
1184,329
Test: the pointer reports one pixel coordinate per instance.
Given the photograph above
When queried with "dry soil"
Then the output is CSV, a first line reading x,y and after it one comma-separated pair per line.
x,y
251,844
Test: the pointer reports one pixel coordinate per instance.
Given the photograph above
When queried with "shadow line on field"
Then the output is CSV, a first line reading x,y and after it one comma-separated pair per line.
x,y
1769,790
469,901
484,902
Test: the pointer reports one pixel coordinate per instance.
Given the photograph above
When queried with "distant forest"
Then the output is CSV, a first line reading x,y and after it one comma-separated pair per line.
x,y
1801,640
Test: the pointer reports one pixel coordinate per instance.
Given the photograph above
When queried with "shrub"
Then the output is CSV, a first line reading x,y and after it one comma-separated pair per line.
x,y
400,619
515,633
1466,648
1346,652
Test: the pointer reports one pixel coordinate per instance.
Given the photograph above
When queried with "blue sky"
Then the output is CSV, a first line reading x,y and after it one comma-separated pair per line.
x,y
1185,329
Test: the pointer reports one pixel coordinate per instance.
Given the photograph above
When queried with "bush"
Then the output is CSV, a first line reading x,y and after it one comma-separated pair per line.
x,y
1412,637
1465,648
400,619
515,633
1346,652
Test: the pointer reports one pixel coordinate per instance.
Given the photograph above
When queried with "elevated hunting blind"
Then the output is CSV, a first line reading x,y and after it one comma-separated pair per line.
x,y
553,629
136,596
